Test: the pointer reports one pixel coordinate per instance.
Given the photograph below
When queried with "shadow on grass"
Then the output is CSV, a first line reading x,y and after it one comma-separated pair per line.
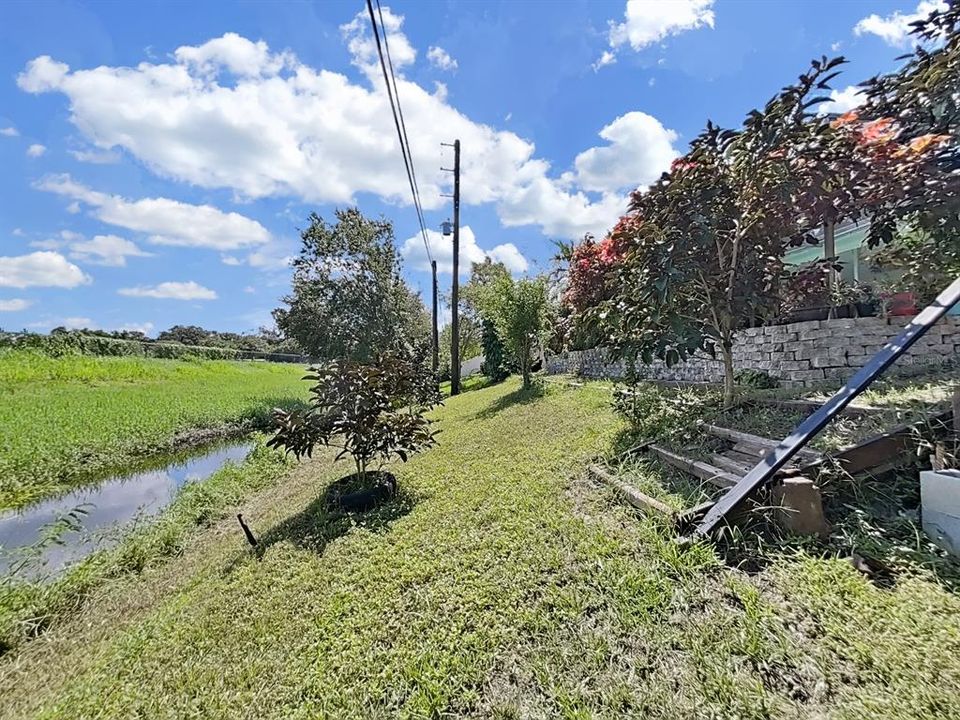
x,y
322,520
523,396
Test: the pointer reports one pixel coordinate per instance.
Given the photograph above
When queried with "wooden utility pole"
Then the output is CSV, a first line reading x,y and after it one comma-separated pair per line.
x,y
455,293
436,334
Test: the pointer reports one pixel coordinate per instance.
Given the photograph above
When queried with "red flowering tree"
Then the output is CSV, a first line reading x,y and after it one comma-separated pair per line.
x,y
911,120
590,280
703,246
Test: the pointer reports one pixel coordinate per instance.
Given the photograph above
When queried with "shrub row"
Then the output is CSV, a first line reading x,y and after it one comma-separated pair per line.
x,y
78,344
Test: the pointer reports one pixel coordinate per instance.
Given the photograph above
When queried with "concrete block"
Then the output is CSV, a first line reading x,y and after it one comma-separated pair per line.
x,y
940,507
806,375
802,326
824,361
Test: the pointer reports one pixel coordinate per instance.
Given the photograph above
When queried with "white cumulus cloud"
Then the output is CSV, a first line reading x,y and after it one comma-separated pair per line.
x,y
40,269
9,131
106,250
441,59
106,157
36,150
233,113
441,247
640,149
894,29
171,291
14,305
842,101
649,21
165,221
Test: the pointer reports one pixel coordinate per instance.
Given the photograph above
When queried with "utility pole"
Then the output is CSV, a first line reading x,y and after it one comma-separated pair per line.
x,y
455,299
436,335
455,292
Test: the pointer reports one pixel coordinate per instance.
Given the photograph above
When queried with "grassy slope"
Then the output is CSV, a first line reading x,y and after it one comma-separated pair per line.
x,y
27,608
499,585
64,418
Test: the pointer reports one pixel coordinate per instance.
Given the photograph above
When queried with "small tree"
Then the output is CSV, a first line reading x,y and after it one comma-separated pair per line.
x,y
519,312
372,412
703,246
348,299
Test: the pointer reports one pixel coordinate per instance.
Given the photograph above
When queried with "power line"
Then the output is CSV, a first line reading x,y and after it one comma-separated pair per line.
x,y
398,121
403,125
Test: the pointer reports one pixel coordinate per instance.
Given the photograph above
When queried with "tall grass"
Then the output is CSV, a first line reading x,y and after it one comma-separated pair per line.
x,y
65,419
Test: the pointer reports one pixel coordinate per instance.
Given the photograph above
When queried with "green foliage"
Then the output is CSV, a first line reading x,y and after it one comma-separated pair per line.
x,y
77,343
760,379
704,245
65,419
370,411
349,299
495,362
519,312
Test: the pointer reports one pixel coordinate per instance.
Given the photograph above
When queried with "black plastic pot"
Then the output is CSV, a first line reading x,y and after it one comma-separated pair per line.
x,y
351,494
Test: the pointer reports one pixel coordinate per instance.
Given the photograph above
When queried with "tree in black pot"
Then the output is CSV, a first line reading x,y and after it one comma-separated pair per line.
x,y
372,412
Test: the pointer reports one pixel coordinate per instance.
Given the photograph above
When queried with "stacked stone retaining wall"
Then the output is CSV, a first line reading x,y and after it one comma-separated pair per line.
x,y
798,354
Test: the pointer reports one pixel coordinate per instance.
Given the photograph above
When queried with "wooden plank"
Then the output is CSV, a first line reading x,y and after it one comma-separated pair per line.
x,y
747,438
750,451
746,459
810,406
633,496
886,448
730,464
697,468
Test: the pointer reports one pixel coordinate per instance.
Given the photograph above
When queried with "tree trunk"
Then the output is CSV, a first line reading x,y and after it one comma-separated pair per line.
x,y
726,352
525,367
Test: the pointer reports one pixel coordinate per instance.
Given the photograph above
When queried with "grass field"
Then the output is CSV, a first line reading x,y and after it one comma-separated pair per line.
x,y
501,584
65,419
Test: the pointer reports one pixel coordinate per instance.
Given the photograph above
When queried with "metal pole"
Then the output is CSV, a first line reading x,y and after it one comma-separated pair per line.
x,y
436,335
829,251
455,294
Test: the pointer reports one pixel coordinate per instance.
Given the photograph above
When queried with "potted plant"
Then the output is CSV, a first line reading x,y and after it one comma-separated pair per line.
x,y
372,412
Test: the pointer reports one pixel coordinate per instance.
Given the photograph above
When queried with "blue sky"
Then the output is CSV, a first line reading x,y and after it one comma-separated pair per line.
x,y
159,157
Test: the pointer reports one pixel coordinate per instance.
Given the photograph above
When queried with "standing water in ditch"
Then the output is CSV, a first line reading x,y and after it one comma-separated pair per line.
x,y
108,505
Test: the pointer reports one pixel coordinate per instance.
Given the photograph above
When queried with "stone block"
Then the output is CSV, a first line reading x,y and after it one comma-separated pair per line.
x,y
824,361
806,375
814,334
792,365
800,507
806,325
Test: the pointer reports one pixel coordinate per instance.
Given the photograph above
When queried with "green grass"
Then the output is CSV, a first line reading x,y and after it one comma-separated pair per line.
x,y
500,584
29,605
473,382
66,419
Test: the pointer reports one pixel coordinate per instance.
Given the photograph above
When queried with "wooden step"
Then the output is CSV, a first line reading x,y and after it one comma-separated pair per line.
x,y
730,464
697,468
749,459
755,440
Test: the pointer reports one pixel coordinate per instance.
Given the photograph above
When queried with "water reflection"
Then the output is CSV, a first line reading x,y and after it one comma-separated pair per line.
x,y
109,504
